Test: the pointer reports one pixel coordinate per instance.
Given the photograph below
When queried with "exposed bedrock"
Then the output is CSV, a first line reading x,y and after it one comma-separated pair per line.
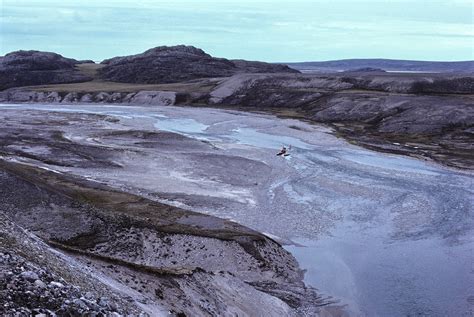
x,y
154,98
167,64
375,111
25,68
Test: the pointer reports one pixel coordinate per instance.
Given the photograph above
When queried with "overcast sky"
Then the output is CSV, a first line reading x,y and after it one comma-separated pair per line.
x,y
277,30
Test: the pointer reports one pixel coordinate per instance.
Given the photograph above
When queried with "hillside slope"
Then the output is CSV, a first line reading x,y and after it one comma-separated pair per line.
x,y
25,68
168,64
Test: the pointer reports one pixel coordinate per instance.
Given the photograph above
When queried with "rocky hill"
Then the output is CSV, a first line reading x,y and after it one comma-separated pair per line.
x,y
25,68
167,64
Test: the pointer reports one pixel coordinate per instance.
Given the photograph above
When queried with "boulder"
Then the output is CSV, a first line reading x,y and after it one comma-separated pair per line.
x,y
53,97
102,97
71,97
29,276
156,98
86,98
116,97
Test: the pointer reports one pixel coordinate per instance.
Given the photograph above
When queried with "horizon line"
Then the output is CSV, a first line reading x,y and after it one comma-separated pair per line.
x,y
276,62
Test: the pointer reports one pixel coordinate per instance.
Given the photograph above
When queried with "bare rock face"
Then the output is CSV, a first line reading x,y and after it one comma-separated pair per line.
x,y
102,97
165,64
157,98
149,98
71,97
52,97
86,98
463,85
24,68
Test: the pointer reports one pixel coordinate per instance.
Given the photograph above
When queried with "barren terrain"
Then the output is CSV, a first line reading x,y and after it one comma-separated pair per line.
x,y
382,234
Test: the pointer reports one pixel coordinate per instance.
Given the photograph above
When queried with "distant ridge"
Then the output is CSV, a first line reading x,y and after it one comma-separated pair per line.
x,y
385,64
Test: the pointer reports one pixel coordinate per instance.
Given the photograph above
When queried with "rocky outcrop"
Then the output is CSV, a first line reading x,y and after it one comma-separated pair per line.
x,y
373,110
274,91
25,68
341,98
36,60
178,63
261,67
160,98
150,98
462,85
277,90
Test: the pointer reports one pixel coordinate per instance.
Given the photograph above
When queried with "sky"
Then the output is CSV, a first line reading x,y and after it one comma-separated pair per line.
x,y
274,31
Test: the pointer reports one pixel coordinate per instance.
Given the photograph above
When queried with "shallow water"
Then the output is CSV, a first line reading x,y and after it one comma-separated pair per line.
x,y
185,126
376,278
255,138
396,163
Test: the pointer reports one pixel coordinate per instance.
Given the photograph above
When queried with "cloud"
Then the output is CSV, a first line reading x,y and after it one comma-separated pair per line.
x,y
266,30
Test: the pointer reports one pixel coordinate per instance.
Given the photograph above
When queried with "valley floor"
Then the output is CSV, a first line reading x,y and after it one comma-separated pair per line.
x,y
385,235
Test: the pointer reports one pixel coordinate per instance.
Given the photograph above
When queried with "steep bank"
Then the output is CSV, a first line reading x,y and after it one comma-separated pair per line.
x,y
161,258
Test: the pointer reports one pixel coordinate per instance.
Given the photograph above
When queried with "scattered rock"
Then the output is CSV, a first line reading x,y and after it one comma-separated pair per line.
x,y
22,293
40,283
30,276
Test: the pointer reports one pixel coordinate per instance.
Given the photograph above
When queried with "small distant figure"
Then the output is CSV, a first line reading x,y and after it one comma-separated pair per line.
x,y
284,151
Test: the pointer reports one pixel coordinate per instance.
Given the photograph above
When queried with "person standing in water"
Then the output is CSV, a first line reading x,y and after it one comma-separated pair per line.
x,y
284,151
